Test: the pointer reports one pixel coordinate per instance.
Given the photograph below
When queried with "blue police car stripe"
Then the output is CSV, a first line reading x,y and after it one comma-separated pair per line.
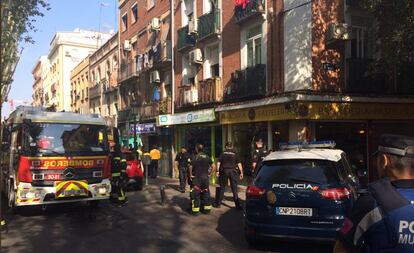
x,y
370,219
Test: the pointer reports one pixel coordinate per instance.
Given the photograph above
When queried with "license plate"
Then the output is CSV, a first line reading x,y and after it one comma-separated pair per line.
x,y
294,211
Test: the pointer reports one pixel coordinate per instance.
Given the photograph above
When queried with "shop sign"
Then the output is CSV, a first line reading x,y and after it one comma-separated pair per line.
x,y
319,111
201,116
143,128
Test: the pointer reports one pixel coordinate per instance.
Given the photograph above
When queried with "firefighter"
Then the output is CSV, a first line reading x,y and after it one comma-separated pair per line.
x,y
382,219
182,162
229,168
199,174
118,169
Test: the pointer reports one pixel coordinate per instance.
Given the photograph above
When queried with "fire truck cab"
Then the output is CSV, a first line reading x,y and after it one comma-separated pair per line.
x,y
54,157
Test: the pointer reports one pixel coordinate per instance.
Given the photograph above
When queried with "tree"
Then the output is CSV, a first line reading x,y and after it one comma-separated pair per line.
x,y
17,20
394,34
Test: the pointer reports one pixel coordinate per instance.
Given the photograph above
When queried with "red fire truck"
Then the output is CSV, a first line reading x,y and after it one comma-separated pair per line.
x,y
54,157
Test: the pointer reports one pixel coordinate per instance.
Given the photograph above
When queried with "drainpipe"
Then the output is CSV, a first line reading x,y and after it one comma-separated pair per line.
x,y
172,26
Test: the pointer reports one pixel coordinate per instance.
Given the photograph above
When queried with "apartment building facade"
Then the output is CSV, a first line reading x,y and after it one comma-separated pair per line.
x,y
39,74
243,70
145,74
103,89
67,50
80,83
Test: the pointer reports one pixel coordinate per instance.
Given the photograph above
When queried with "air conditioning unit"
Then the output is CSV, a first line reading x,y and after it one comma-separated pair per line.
x,y
127,45
196,57
338,31
155,24
193,26
155,77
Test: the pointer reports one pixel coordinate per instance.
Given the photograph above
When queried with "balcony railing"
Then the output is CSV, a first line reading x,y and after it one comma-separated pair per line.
x,y
165,106
185,39
247,83
150,110
163,53
95,91
210,91
252,9
360,81
209,24
128,70
124,115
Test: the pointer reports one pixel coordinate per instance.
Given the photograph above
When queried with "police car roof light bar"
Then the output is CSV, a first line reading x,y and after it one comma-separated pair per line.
x,y
306,145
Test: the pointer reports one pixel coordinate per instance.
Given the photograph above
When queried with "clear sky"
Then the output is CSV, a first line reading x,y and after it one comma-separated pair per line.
x,y
65,15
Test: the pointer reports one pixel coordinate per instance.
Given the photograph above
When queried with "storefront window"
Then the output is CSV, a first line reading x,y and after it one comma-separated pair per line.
x,y
280,133
244,137
349,137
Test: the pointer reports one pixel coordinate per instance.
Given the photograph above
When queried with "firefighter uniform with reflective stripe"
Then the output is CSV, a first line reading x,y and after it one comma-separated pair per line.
x,y
200,167
118,168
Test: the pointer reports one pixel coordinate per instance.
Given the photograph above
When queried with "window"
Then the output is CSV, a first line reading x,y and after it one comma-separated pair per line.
x,y
212,61
125,22
149,4
134,11
296,171
188,72
254,46
362,43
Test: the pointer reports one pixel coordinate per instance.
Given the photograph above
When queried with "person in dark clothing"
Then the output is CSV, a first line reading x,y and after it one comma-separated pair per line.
x,y
258,155
182,163
382,219
199,174
118,170
228,167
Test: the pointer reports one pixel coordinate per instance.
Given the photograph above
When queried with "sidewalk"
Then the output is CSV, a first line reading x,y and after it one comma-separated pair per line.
x,y
152,190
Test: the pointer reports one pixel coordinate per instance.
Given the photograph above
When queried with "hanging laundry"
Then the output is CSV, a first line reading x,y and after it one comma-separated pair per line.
x,y
140,62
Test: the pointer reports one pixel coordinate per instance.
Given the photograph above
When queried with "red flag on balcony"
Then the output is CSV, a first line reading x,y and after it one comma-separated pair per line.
x,y
241,3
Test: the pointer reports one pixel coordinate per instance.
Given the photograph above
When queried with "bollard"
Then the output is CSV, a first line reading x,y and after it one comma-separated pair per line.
x,y
217,197
162,192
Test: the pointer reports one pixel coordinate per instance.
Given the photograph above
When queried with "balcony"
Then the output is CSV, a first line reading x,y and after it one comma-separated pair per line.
x,y
124,115
149,111
165,106
163,53
252,9
95,91
247,84
210,91
209,24
185,40
128,70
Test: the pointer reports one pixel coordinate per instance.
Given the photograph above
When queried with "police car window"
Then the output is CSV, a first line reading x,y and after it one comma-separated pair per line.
x,y
291,171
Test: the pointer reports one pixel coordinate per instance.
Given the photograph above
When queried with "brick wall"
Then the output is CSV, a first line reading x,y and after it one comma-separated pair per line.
x,y
324,13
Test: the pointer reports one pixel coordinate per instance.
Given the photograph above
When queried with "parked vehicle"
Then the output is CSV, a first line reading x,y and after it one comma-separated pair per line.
x,y
301,192
134,171
54,157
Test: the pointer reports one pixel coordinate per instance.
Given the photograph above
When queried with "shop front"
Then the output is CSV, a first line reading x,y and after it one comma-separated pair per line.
x,y
194,127
355,127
